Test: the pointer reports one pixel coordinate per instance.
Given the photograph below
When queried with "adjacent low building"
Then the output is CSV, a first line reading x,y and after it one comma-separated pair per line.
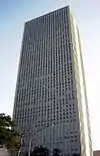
x,y
96,153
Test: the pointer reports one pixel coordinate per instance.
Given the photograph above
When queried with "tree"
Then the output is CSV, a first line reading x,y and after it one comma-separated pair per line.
x,y
8,136
56,152
40,151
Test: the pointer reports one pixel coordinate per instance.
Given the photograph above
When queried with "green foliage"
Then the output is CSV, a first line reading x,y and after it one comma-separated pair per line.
x,y
40,151
8,136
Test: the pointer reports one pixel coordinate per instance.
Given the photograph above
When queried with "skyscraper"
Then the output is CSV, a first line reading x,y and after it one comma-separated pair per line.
x,y
50,101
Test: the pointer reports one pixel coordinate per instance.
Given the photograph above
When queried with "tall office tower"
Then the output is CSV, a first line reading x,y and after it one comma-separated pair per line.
x,y
50,100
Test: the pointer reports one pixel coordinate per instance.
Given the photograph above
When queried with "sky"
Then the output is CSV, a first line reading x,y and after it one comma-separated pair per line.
x,y
13,15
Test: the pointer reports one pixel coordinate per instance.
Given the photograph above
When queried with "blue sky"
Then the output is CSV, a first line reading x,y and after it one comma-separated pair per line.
x,y
13,14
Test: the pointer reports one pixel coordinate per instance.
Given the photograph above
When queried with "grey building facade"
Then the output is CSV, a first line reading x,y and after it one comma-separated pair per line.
x,y
51,106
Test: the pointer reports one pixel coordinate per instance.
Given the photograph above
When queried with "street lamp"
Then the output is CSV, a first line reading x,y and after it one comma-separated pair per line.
x,y
38,130
21,142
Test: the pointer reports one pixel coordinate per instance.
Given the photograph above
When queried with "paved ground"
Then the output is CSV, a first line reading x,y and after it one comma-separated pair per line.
x,y
4,152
